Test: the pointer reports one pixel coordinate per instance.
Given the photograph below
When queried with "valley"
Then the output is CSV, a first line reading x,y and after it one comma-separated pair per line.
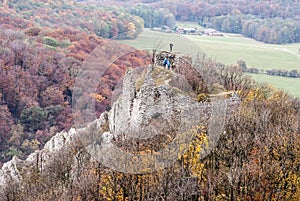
x,y
228,50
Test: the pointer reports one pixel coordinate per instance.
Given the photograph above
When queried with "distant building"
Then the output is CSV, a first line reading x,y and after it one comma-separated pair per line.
x,y
162,29
212,32
193,31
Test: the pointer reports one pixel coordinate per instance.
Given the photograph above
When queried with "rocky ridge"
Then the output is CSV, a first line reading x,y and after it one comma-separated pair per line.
x,y
153,110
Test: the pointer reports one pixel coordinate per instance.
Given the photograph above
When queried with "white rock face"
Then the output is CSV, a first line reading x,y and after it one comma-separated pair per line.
x,y
153,112
145,113
42,158
9,171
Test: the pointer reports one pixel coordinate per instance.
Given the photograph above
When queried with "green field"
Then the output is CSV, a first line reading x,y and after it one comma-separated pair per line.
x,y
290,85
228,50
159,40
189,25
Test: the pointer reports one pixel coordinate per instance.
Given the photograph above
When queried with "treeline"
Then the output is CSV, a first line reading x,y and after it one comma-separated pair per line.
x,y
154,17
271,30
107,22
268,21
284,73
276,72
195,10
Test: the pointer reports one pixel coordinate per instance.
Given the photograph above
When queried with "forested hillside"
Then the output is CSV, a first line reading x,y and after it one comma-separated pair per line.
x,y
256,156
107,22
268,21
271,22
42,47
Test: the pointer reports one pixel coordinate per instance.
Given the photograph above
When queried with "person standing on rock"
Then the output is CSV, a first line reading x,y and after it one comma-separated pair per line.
x,y
171,47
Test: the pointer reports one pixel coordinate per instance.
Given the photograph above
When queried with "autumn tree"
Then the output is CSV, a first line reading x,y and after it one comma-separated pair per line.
x,y
5,127
255,156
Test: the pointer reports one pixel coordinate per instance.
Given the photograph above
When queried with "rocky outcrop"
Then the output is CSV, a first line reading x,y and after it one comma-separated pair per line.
x,y
136,113
161,112
9,171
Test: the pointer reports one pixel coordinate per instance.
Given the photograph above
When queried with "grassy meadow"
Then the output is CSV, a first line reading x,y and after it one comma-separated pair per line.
x,y
232,47
159,40
228,50
291,85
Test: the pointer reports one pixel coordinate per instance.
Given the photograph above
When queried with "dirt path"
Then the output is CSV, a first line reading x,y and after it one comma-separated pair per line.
x,y
289,51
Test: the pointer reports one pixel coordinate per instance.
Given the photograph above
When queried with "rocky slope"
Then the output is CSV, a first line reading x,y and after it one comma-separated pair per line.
x,y
156,117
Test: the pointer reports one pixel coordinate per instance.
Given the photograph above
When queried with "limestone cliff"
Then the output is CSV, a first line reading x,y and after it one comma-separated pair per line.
x,y
155,110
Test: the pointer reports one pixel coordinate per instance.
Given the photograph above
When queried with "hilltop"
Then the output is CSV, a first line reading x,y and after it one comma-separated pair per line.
x,y
157,134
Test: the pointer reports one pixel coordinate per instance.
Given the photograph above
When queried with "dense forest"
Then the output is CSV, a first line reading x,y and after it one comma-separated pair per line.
x,y
41,54
106,22
271,22
37,75
271,30
267,21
